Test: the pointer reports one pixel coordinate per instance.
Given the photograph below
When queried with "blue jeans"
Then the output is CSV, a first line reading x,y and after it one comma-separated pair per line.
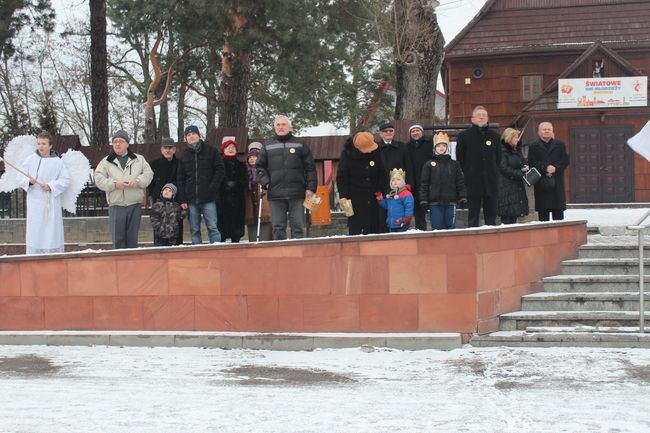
x,y
443,216
209,212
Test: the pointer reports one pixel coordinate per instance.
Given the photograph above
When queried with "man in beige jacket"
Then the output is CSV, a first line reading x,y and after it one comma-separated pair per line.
x,y
124,176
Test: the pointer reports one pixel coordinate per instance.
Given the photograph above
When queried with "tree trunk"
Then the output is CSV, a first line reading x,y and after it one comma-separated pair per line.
x,y
235,74
98,72
418,58
163,121
180,112
211,100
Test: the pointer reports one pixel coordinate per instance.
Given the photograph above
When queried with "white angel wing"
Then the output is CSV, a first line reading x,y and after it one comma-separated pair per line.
x,y
16,152
78,168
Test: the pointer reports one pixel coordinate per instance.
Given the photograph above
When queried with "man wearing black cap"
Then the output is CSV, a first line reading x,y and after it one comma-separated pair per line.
x,y
200,172
394,155
124,176
165,170
420,149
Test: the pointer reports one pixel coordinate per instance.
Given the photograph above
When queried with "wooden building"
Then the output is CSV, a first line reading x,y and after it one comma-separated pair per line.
x,y
509,59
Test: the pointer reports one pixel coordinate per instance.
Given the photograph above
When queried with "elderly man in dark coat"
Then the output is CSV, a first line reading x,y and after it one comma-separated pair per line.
x,y
285,166
478,151
165,170
548,155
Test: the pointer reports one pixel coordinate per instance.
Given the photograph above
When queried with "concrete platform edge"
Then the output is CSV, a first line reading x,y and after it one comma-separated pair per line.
x,y
233,340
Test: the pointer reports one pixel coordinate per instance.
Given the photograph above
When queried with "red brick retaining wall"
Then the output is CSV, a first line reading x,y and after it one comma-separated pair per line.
x,y
449,281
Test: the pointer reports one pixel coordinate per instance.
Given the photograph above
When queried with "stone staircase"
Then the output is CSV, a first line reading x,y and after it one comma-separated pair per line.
x,y
593,302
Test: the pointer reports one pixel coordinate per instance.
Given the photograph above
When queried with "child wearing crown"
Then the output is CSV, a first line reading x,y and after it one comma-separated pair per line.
x,y
398,203
442,186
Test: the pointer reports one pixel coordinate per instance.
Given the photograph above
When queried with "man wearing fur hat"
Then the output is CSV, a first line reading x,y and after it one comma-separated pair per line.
x,y
420,149
124,176
479,153
165,170
200,172
285,167
360,177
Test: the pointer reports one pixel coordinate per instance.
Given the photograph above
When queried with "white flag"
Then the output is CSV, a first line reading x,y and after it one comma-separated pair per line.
x,y
640,143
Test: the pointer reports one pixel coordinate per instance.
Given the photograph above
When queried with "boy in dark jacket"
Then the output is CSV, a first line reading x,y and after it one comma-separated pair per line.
x,y
398,202
442,186
165,217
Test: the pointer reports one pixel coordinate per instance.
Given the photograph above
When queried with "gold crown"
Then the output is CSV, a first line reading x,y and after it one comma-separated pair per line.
x,y
440,137
397,172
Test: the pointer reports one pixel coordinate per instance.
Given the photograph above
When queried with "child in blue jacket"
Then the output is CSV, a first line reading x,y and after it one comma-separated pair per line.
x,y
398,203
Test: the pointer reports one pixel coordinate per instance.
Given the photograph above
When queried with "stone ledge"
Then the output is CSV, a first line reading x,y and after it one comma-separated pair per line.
x,y
235,340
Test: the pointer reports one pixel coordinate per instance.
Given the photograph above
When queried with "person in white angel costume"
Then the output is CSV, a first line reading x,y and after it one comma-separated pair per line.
x,y
47,180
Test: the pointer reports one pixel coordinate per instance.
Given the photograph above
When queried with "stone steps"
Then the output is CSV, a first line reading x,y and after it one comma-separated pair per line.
x,y
566,337
581,301
593,283
602,266
521,320
595,251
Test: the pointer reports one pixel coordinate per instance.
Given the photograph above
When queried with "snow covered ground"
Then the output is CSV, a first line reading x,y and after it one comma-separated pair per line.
x,y
111,389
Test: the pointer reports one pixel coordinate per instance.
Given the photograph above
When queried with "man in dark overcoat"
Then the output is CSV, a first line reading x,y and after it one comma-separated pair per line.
x,y
478,151
548,155
420,149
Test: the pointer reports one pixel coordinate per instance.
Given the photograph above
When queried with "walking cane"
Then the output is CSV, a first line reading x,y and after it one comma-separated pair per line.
x,y
259,212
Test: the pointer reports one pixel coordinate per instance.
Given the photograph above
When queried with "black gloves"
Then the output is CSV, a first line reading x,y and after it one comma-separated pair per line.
x,y
462,203
230,185
424,206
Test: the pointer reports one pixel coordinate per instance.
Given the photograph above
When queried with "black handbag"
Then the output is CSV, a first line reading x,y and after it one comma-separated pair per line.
x,y
532,176
547,184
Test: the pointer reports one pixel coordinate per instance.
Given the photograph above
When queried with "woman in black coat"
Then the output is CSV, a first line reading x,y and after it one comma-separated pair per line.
x,y
361,175
513,201
231,205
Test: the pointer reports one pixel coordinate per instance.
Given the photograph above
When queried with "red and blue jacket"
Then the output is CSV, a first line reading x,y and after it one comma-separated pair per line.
x,y
399,204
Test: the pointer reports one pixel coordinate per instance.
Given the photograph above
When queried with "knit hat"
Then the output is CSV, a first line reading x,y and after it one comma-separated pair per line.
x,y
170,186
385,125
167,142
254,148
398,173
228,143
192,128
416,126
121,134
365,142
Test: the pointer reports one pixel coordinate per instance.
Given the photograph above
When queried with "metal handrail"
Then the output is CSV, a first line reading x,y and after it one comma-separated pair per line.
x,y
640,229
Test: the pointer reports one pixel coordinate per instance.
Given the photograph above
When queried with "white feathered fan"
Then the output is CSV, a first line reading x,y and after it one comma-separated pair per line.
x,y
16,152
78,168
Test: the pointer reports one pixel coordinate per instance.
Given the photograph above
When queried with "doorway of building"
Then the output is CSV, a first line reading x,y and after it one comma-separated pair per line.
x,y
602,165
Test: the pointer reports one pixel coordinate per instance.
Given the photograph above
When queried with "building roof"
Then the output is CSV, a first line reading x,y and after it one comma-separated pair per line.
x,y
525,26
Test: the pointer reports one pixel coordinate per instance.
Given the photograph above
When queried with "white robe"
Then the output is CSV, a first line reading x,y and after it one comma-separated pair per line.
x,y
44,214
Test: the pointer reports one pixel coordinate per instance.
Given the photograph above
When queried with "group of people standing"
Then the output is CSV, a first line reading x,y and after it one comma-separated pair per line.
x,y
488,174
383,185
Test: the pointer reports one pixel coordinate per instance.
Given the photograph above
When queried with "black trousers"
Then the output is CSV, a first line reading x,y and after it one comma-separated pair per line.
x,y
544,214
474,210
419,214
508,219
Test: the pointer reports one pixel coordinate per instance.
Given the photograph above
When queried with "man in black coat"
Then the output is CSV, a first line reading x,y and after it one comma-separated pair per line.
x,y
478,150
548,155
165,170
200,172
394,154
286,168
420,149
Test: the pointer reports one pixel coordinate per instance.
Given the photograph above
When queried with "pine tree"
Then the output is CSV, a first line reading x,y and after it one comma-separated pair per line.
x,y
47,117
